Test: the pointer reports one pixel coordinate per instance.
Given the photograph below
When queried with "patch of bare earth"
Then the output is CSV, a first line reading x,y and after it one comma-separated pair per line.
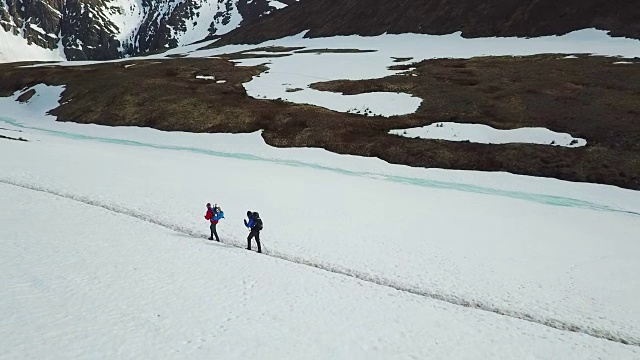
x,y
586,97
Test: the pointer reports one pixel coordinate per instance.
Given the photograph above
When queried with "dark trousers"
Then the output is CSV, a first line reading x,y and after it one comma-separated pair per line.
x,y
255,233
214,232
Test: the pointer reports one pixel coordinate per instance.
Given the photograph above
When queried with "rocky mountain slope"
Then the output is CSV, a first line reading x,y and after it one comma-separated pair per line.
x,y
474,18
107,29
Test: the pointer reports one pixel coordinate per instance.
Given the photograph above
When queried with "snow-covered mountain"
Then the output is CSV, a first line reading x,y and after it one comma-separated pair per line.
x,y
107,29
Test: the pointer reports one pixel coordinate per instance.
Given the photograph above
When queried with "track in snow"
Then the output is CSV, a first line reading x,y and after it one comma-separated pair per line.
x,y
363,276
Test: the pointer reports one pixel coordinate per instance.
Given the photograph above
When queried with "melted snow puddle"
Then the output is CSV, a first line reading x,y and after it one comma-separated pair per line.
x,y
484,134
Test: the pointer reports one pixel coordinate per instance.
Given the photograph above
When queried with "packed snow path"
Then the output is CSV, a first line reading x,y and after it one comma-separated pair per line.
x,y
371,278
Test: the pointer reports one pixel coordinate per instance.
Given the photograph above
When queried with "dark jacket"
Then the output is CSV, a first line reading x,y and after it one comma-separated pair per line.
x,y
254,223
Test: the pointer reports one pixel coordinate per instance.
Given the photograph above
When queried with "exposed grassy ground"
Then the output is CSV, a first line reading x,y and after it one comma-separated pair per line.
x,y
473,18
586,97
162,94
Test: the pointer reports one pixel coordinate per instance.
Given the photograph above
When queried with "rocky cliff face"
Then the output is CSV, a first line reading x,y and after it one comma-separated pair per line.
x,y
14,15
180,23
107,29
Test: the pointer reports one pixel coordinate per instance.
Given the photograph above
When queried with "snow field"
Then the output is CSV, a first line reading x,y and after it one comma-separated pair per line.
x,y
90,283
550,263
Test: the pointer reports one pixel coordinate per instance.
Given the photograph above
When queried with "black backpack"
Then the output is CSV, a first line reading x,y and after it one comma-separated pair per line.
x,y
258,221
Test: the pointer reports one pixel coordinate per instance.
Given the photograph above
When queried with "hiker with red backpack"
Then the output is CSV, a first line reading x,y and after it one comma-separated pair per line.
x,y
214,215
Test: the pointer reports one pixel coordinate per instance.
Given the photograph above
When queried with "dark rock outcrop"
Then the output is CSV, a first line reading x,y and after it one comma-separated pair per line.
x,y
474,18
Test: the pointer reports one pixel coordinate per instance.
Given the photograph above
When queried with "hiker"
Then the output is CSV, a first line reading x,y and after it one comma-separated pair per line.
x,y
255,224
214,215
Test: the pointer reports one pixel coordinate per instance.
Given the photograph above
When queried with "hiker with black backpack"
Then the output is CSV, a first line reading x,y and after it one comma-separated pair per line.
x,y
255,225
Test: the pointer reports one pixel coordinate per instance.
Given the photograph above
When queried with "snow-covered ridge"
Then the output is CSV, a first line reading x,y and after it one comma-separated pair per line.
x,y
484,134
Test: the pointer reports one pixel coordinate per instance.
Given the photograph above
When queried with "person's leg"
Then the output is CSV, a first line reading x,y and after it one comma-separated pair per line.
x,y
258,241
249,240
212,227
214,232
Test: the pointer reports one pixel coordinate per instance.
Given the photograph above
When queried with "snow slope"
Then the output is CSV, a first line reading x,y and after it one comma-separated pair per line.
x,y
510,256
84,282
568,263
127,15
16,48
